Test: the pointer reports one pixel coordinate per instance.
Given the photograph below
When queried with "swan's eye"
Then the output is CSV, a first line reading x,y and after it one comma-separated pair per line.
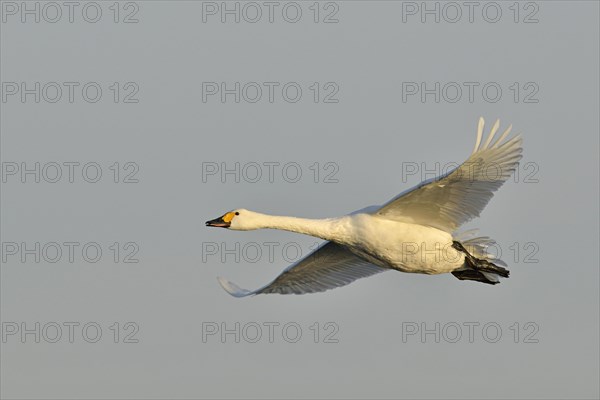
x,y
237,213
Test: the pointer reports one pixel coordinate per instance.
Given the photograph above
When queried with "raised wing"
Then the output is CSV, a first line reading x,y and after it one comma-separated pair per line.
x,y
448,201
328,267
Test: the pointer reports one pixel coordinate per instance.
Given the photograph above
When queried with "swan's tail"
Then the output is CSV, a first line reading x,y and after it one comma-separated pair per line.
x,y
479,265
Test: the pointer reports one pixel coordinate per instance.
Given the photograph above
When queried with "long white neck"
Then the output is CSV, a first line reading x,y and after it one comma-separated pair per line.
x,y
328,229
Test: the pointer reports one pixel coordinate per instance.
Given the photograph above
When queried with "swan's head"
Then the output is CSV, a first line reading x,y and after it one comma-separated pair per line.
x,y
239,220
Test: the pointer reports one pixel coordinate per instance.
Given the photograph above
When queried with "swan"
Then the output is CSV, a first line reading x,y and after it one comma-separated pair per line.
x,y
415,232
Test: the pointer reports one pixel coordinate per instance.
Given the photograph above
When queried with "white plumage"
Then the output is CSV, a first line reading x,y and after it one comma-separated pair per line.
x,y
413,232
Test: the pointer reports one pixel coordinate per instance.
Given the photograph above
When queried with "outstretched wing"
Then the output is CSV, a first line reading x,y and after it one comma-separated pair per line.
x,y
328,267
448,201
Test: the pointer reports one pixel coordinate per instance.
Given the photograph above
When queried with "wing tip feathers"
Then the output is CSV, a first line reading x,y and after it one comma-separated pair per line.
x,y
480,126
232,288
489,142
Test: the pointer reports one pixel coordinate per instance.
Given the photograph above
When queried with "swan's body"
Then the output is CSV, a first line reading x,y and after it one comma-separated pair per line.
x,y
414,232
405,247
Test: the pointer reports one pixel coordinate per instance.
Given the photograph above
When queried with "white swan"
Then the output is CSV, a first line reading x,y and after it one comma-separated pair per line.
x,y
413,232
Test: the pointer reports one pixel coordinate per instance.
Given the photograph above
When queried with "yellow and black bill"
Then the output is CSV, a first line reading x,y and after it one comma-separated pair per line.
x,y
222,222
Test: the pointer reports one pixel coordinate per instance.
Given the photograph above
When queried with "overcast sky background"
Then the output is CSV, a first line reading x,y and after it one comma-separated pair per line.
x,y
545,221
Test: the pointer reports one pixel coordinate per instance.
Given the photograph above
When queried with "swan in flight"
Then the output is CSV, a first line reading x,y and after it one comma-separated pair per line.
x,y
414,232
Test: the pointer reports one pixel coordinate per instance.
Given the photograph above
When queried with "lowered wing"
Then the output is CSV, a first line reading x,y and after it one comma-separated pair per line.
x,y
328,267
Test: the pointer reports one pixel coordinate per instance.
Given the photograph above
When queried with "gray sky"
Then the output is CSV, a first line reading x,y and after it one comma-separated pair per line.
x,y
351,107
